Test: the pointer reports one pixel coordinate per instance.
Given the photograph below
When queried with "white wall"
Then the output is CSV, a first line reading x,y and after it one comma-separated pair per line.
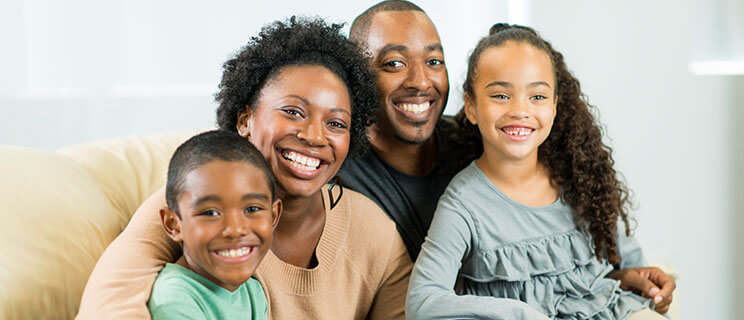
x,y
81,70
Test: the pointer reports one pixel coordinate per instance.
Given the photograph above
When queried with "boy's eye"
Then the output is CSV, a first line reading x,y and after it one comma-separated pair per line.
x,y
252,209
210,213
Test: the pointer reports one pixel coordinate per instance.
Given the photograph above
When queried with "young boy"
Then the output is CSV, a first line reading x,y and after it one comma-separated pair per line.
x,y
222,209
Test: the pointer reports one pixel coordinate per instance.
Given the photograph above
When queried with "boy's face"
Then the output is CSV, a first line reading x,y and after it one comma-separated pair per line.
x,y
227,221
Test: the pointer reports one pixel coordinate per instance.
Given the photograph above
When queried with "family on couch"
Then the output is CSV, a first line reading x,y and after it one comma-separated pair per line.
x,y
527,227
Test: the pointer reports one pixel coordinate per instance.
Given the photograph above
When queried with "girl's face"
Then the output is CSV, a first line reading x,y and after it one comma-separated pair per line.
x,y
514,103
301,126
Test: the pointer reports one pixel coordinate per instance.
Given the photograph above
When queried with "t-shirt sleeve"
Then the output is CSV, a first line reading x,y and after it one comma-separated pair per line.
x,y
431,293
174,302
390,299
122,280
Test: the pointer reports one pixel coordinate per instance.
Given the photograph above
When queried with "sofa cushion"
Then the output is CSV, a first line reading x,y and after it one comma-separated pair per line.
x,y
56,222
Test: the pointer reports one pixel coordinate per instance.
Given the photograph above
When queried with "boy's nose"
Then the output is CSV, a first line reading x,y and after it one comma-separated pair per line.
x,y
234,226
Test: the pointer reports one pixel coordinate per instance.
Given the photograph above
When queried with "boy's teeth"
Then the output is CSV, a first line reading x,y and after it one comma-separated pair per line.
x,y
234,253
414,108
301,161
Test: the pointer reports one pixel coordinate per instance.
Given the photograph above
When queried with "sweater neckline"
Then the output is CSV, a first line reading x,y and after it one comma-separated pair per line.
x,y
303,281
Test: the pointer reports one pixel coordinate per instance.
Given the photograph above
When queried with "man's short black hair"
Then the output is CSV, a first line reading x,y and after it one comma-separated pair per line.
x,y
207,147
360,27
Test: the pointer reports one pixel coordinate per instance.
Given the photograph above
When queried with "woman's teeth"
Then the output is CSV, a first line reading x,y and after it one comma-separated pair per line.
x,y
514,131
414,108
234,253
301,161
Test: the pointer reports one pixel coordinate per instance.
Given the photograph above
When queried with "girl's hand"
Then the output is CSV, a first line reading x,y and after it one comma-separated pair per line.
x,y
646,281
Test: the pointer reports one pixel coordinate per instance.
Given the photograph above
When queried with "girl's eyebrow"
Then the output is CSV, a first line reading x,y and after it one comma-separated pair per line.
x,y
538,83
500,83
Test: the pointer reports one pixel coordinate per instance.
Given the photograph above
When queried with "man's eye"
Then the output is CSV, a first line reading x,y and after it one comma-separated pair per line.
x,y
210,213
435,62
338,124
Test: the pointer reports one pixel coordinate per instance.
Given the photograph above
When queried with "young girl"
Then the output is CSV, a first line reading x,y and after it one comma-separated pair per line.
x,y
529,228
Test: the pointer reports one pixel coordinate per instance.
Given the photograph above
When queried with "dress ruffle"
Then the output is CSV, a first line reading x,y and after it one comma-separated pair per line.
x,y
557,274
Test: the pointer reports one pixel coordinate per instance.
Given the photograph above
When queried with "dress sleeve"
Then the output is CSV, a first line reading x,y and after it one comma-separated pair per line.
x,y
122,280
630,250
390,300
431,292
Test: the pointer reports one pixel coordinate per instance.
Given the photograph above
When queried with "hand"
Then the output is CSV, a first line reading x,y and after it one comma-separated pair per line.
x,y
646,281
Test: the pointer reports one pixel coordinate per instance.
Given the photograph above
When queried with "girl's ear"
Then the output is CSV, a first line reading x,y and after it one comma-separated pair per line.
x,y
244,124
276,212
171,224
470,109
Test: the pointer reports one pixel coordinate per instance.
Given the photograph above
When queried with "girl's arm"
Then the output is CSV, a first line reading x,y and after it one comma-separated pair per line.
x,y
120,284
431,292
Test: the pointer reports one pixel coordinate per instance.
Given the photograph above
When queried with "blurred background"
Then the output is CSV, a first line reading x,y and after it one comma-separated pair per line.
x,y
667,77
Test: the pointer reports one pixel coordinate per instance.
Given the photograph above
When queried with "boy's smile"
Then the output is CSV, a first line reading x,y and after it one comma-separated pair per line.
x,y
227,220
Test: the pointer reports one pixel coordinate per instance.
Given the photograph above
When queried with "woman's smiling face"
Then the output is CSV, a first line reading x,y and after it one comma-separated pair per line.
x,y
300,123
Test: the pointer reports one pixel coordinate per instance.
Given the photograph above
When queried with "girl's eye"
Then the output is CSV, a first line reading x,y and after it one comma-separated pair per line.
x,y
293,112
500,96
252,209
539,97
210,213
435,62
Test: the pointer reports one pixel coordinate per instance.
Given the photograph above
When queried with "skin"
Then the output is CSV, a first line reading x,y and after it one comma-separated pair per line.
x,y
514,88
409,64
292,117
225,205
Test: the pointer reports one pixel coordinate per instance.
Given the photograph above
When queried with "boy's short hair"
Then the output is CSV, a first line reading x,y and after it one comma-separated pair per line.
x,y
206,147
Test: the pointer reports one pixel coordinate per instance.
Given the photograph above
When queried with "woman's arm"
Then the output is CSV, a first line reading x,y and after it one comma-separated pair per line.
x,y
390,299
431,292
120,284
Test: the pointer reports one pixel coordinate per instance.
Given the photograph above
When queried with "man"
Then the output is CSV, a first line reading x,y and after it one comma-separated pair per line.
x,y
410,163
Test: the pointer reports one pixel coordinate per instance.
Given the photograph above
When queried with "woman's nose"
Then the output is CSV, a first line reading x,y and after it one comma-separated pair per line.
x,y
312,133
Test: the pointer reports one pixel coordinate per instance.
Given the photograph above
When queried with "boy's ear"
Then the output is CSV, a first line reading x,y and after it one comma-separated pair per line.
x,y
244,124
276,212
470,109
171,224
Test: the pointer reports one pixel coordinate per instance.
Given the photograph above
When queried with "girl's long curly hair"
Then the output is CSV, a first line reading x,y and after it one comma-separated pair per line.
x,y
578,161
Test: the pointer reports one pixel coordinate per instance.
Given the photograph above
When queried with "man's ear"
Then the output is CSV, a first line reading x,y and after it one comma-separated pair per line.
x,y
244,124
470,109
276,212
171,224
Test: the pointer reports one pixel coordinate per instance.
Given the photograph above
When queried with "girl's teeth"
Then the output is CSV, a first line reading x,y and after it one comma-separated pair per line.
x,y
518,132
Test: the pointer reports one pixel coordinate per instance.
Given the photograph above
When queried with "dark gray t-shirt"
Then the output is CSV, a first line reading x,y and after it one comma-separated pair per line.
x,y
408,200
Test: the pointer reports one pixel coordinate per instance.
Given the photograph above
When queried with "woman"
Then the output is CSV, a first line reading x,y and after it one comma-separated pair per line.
x,y
303,95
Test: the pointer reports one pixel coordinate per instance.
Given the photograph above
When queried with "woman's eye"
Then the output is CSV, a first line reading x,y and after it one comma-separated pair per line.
x,y
210,213
394,64
252,209
293,112
435,62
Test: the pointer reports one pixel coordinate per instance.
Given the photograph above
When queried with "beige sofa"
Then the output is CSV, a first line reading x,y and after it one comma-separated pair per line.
x,y
59,211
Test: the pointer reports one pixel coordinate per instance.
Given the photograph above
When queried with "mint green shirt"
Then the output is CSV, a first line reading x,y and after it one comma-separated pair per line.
x,y
179,293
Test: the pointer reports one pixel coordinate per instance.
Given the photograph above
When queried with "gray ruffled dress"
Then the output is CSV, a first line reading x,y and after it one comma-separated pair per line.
x,y
514,261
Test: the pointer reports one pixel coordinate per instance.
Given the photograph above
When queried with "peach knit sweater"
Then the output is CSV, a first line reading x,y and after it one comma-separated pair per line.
x,y
363,268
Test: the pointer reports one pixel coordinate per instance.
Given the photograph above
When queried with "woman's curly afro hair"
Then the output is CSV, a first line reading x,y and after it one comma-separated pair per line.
x,y
579,163
299,42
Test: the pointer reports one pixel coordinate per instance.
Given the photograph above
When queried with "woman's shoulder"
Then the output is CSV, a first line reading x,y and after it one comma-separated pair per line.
x,y
365,215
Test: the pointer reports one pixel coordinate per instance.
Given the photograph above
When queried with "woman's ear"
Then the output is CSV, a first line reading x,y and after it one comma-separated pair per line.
x,y
171,224
470,111
244,123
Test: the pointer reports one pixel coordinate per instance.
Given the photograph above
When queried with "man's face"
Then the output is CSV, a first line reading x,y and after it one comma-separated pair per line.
x,y
411,75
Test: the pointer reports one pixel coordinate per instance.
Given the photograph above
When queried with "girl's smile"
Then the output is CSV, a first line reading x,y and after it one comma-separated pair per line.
x,y
514,103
